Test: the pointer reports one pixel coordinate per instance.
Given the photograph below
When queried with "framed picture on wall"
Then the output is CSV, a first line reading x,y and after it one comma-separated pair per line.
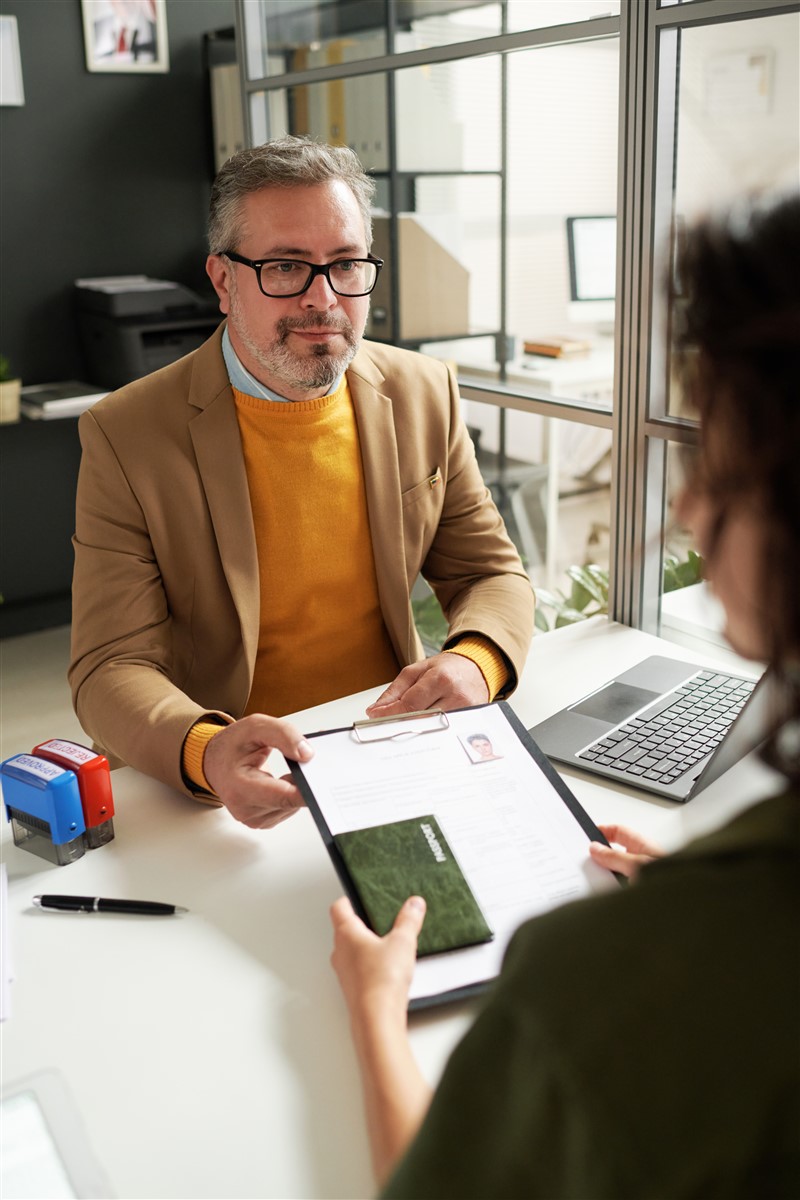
x,y
125,35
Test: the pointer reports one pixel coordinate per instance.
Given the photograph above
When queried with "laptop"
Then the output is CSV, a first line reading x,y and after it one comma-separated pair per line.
x,y
664,726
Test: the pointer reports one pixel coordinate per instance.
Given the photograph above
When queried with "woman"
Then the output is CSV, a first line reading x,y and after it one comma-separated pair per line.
x,y
646,1043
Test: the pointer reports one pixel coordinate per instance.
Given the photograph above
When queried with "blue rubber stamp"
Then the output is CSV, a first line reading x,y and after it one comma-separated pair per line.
x,y
43,804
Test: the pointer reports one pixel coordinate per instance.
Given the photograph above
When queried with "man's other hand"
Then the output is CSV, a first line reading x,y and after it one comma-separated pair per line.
x,y
445,681
235,765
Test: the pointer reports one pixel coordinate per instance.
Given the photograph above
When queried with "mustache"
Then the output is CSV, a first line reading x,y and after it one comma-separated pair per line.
x,y
315,321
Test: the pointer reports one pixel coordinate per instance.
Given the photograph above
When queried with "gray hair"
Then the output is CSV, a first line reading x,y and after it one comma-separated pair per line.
x,y
285,162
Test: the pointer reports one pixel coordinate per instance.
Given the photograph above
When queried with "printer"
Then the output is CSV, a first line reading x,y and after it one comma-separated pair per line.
x,y
131,325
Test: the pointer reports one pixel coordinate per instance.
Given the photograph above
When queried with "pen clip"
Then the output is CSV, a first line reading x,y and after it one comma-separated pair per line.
x,y
366,731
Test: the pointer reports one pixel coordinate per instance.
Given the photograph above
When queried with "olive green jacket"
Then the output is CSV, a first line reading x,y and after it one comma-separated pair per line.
x,y
640,1044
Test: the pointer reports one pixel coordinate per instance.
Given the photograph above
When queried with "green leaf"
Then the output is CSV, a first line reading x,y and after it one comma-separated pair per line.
x,y
548,599
695,566
579,597
689,573
584,587
540,620
569,616
600,576
679,574
670,578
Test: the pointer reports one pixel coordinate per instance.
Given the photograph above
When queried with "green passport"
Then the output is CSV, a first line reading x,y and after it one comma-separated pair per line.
x,y
389,863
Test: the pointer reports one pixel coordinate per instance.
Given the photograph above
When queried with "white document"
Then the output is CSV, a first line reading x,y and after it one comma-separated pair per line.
x,y
6,971
518,843
126,283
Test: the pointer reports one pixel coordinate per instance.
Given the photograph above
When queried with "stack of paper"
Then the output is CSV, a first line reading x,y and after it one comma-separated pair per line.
x,y
48,401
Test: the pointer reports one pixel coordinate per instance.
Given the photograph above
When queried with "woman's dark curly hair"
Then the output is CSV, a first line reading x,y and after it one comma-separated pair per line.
x,y
738,335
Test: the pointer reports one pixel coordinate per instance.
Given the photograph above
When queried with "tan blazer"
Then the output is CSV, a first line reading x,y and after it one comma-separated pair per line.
x,y
166,584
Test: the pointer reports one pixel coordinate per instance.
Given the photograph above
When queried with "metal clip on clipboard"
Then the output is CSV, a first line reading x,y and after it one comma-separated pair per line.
x,y
432,720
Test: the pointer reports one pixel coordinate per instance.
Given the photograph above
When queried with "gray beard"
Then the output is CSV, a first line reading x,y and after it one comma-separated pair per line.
x,y
306,374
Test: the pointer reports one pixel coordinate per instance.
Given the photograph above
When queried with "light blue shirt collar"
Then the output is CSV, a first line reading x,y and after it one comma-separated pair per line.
x,y
243,381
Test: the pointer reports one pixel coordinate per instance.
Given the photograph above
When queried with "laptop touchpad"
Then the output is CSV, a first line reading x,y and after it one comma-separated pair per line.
x,y
614,703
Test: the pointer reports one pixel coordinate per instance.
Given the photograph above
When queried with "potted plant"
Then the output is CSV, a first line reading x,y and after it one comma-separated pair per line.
x,y
9,393
589,593
588,597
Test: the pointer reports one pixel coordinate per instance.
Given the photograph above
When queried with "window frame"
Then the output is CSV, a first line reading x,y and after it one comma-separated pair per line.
x,y
649,37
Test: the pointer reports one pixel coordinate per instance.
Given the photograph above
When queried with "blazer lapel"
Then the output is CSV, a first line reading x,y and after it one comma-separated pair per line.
x,y
379,457
214,431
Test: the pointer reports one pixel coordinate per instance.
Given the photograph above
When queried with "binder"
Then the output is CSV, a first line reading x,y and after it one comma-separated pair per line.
x,y
519,834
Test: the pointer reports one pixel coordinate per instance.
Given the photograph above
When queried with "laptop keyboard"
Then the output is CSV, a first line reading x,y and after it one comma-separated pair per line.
x,y
664,746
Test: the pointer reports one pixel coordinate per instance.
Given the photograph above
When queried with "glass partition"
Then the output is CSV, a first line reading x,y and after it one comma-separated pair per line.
x,y
738,117
446,261
538,14
551,482
728,125
562,165
514,185
561,138
422,24
343,112
297,35
448,116
689,609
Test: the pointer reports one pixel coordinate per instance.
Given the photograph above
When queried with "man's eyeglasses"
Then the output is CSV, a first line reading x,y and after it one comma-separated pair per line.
x,y
281,277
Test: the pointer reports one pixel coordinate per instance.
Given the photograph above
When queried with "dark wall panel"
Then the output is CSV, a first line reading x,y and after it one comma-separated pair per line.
x,y
100,174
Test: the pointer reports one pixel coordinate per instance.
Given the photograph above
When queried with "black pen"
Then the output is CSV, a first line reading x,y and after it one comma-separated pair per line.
x,y
93,904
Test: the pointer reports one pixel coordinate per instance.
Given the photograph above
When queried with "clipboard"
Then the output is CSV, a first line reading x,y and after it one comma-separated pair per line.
x,y
519,833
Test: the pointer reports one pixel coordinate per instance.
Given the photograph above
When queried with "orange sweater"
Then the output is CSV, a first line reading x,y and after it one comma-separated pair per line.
x,y
321,632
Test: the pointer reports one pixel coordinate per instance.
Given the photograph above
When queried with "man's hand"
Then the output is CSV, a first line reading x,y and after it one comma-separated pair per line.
x,y
445,681
234,765
636,852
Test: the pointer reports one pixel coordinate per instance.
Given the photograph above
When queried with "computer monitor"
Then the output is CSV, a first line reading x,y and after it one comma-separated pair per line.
x,y
592,248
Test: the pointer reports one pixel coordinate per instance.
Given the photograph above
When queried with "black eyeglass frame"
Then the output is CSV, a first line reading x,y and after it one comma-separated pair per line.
x,y
315,270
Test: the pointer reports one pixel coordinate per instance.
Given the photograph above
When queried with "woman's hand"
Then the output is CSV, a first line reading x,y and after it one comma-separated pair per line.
x,y
375,973
628,860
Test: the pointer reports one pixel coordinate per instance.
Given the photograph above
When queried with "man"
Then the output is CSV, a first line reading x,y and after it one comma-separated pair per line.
x,y
251,519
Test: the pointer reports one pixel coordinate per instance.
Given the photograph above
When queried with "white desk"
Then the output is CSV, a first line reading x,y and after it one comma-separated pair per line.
x,y
210,1054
